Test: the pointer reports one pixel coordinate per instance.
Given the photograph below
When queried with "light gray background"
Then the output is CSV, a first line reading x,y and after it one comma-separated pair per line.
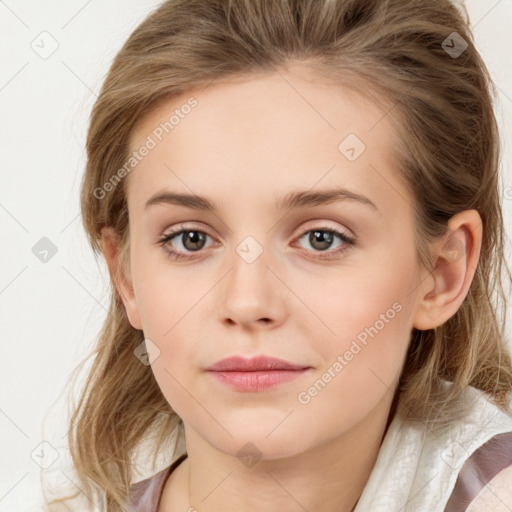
x,y
51,312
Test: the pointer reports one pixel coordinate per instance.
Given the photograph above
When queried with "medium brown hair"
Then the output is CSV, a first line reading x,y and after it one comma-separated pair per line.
x,y
394,53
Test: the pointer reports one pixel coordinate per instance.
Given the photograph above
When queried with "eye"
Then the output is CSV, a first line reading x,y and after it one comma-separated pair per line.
x,y
191,239
322,239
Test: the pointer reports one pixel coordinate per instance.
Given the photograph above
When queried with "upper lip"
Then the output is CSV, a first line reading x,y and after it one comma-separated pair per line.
x,y
260,363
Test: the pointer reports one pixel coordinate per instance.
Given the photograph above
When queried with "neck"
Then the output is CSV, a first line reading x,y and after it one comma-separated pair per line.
x,y
330,476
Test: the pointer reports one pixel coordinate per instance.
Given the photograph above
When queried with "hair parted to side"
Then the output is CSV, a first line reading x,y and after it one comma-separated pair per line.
x,y
442,109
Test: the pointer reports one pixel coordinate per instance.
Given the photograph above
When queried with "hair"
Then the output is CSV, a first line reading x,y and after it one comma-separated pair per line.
x,y
441,107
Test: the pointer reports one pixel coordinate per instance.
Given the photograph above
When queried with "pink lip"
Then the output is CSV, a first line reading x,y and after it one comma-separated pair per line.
x,y
260,363
255,374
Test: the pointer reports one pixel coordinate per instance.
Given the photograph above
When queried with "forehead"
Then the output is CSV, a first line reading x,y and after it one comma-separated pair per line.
x,y
276,130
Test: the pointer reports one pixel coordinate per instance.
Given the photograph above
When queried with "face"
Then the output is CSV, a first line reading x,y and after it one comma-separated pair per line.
x,y
326,285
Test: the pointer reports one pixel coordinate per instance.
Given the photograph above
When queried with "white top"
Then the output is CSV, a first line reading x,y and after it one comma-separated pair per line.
x,y
417,470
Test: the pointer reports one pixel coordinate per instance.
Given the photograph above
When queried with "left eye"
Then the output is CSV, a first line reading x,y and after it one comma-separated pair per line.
x,y
322,238
193,240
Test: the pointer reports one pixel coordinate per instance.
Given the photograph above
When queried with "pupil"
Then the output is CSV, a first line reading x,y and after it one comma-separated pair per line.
x,y
195,239
324,237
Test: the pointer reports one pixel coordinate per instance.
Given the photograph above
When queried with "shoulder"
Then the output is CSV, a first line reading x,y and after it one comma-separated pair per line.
x,y
484,482
145,495
463,456
419,467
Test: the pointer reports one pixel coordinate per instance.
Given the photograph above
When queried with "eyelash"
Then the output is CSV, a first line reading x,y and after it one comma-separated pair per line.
x,y
349,242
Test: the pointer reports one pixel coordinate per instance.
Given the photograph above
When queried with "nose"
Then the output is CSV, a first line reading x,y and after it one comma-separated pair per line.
x,y
252,294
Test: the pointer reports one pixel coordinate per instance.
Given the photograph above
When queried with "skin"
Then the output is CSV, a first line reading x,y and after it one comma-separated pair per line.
x,y
496,496
246,144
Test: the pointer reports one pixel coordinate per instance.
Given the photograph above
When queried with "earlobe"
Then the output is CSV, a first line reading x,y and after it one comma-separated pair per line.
x,y
110,246
454,265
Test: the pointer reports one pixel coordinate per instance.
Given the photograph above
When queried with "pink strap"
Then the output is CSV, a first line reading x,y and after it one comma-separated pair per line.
x,y
481,467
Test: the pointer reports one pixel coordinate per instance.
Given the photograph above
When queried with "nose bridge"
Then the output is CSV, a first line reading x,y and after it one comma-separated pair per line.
x,y
250,249
249,262
250,292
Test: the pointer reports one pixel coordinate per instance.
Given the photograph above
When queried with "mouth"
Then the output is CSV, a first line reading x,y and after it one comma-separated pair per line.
x,y
255,374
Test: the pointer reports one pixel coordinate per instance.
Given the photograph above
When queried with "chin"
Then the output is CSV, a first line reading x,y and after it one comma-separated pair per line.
x,y
253,442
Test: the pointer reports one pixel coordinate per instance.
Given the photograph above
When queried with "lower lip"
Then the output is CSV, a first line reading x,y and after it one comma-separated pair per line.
x,y
257,381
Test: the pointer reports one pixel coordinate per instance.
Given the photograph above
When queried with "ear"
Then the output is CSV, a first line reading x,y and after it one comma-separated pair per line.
x,y
111,249
455,261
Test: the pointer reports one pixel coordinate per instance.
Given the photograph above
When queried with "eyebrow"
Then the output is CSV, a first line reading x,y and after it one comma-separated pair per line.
x,y
293,200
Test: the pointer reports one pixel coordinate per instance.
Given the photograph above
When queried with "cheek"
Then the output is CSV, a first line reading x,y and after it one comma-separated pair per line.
x,y
363,360
367,312
164,296
358,296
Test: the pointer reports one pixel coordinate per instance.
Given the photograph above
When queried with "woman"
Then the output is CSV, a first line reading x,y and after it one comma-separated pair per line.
x,y
334,344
